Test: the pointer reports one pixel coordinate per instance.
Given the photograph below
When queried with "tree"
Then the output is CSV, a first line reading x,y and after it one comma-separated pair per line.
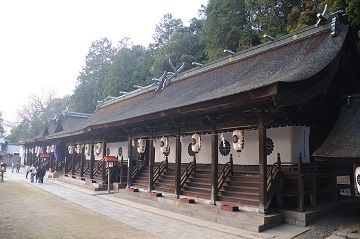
x,y
165,28
131,66
225,21
32,118
89,87
183,46
2,130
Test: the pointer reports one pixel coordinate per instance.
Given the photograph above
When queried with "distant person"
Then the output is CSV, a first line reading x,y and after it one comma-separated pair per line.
x,y
32,173
12,166
42,173
18,166
27,170
37,174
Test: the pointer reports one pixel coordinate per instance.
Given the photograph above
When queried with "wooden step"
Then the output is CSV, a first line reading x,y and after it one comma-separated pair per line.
x,y
247,195
196,189
241,201
197,184
241,188
195,194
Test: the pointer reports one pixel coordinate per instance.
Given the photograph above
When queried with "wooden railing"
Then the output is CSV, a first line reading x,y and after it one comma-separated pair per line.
x,y
68,167
273,184
190,168
160,169
225,172
77,167
138,167
86,166
99,166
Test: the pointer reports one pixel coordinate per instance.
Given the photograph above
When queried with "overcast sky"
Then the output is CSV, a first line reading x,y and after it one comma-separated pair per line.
x,y
43,43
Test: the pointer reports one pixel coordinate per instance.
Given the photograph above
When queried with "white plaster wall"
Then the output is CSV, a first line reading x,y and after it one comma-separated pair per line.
x,y
289,141
114,147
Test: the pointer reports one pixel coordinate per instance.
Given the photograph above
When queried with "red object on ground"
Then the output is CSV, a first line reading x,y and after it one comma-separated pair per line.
x,y
156,194
230,208
187,200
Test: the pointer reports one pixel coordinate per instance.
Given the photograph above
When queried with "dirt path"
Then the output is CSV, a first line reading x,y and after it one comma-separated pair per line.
x,y
28,212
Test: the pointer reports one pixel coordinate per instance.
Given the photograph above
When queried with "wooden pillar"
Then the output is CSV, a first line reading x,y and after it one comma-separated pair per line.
x,y
214,165
300,186
352,181
262,167
151,164
313,191
279,196
73,162
82,161
103,175
50,162
178,165
130,164
121,169
56,163
92,160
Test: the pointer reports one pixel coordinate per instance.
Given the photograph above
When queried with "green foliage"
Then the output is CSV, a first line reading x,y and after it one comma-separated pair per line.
x,y
165,28
89,88
225,21
2,130
131,66
183,46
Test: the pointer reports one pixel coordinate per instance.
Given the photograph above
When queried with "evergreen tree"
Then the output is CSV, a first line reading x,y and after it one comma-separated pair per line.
x,y
89,87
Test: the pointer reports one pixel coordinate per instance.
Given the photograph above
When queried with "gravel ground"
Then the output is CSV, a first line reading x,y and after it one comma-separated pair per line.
x,y
28,212
330,223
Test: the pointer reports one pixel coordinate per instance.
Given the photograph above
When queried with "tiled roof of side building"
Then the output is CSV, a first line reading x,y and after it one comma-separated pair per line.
x,y
344,139
290,59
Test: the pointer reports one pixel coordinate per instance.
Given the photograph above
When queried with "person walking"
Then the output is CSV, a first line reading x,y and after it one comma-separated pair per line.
x,y
27,170
18,166
32,173
12,166
37,174
42,174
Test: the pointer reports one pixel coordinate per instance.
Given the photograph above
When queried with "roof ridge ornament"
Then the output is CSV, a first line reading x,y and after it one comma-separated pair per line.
x,y
164,79
320,16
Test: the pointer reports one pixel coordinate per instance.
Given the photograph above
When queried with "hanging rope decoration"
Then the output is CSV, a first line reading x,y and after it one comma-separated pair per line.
x,y
120,151
269,144
224,148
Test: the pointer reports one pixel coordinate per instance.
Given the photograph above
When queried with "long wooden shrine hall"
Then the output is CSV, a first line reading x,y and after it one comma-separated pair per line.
x,y
240,132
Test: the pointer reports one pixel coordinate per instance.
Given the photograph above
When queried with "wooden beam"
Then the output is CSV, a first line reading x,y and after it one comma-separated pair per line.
x,y
92,159
82,161
130,164
151,163
178,164
214,165
262,167
103,174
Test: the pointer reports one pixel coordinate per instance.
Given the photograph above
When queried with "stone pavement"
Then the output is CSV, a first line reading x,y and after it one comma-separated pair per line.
x,y
352,232
154,221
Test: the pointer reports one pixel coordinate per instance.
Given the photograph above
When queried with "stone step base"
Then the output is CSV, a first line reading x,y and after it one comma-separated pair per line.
x,y
252,221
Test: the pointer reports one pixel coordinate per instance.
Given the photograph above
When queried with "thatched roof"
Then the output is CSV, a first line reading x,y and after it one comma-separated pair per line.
x,y
344,140
291,59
